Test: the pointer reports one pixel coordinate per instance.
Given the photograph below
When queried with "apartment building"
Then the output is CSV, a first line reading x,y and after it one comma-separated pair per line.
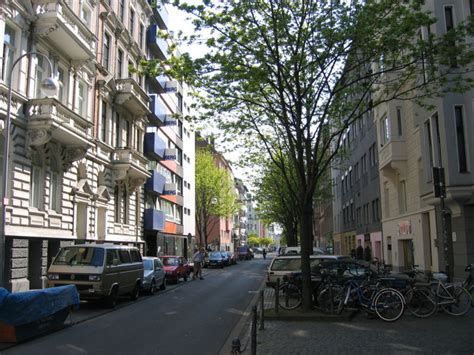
x,y
77,164
170,189
357,217
412,141
240,218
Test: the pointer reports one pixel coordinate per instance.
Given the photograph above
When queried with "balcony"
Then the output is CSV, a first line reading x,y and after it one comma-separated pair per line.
x,y
154,146
154,220
157,45
50,119
160,12
158,115
155,183
58,24
131,96
393,156
127,162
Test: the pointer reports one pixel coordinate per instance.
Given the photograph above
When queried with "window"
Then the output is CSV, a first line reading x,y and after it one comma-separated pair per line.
x,y
8,52
125,202
117,130
82,98
460,138
124,256
61,86
130,74
54,186
449,20
119,64
85,14
180,102
399,121
40,75
402,197
131,25
363,163
36,186
356,171
142,35
429,148
117,204
106,51
122,10
385,133
471,7
103,123
128,134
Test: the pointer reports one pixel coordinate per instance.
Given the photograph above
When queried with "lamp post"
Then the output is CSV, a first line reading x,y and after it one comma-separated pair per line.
x,y
49,88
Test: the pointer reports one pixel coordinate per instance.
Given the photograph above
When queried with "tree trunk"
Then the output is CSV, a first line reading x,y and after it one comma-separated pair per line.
x,y
306,235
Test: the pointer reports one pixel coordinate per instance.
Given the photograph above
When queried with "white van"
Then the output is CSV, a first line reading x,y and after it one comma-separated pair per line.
x,y
286,264
99,271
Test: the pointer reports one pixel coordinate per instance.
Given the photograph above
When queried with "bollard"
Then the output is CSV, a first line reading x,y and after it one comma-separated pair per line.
x,y
277,295
236,347
262,310
254,331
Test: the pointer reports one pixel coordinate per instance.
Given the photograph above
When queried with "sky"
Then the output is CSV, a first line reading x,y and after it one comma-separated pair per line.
x,y
179,22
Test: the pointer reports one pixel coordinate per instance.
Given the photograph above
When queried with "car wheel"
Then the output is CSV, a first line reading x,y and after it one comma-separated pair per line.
x,y
163,284
111,300
152,287
135,292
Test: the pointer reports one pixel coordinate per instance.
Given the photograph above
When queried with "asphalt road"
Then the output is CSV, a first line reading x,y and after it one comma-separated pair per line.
x,y
195,317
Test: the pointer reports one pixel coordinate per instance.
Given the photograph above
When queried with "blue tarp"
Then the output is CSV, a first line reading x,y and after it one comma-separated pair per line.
x,y
25,307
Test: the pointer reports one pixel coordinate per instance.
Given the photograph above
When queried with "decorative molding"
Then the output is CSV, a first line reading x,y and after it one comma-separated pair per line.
x,y
72,154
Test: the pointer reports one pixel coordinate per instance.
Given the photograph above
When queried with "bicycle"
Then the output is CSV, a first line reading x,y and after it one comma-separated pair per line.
x,y
289,293
387,303
468,283
425,298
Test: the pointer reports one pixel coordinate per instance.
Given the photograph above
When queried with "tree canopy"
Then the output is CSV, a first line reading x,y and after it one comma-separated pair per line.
x,y
293,75
215,194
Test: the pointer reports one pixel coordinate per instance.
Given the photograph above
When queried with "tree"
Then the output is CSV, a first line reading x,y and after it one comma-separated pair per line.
x,y
293,75
276,202
265,241
253,240
215,195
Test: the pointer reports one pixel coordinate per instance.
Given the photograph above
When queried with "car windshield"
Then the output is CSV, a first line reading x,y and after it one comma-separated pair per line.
x,y
89,256
215,254
148,264
170,261
286,264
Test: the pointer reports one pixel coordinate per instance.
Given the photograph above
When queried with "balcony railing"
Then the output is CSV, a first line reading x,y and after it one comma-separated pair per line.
x,y
154,220
155,183
57,23
129,162
50,119
157,45
154,146
160,12
131,96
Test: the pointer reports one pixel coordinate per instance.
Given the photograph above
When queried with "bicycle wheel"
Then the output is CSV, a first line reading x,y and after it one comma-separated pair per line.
x,y
329,298
461,303
289,296
389,304
420,302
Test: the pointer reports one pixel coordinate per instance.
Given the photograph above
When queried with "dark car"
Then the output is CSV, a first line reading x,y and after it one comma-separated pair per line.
x,y
176,267
244,253
216,259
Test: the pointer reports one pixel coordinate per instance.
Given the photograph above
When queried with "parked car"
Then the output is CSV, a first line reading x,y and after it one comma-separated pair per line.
x,y
227,258
244,253
297,251
216,259
154,274
176,267
286,264
99,271
232,258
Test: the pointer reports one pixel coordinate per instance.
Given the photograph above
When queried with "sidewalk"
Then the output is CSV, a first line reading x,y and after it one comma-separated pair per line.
x,y
299,332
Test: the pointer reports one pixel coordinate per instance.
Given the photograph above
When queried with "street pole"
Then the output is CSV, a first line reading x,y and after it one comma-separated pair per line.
x,y
48,86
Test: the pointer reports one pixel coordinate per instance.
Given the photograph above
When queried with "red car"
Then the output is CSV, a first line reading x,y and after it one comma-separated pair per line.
x,y
176,267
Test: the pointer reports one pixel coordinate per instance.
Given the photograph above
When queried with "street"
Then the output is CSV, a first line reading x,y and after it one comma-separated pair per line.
x,y
194,317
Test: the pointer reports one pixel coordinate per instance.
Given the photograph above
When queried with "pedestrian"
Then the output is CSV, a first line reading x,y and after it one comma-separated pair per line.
x,y
264,253
198,259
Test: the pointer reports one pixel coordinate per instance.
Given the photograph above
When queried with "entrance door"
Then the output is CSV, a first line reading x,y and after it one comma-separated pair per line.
x,y
35,254
408,254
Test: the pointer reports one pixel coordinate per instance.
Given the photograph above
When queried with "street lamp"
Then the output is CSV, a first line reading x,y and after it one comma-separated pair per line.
x,y
49,87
